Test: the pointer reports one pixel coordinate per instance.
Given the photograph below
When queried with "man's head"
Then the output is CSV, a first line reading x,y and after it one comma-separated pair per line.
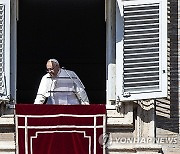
x,y
53,67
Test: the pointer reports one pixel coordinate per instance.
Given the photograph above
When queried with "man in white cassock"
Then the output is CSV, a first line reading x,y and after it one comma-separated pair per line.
x,y
60,86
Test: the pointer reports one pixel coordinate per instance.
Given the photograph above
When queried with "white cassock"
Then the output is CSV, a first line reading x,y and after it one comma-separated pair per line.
x,y
65,89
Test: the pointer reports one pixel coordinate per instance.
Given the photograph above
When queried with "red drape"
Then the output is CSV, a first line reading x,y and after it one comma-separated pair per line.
x,y
60,129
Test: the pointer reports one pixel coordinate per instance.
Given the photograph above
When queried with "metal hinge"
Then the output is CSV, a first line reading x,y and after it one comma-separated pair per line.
x,y
126,94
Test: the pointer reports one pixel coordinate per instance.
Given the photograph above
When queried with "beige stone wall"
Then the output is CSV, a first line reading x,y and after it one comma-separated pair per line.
x,y
167,111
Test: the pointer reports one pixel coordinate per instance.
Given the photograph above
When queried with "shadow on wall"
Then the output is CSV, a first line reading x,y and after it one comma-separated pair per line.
x,y
167,111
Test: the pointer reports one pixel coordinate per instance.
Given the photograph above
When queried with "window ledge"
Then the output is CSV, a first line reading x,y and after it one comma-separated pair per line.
x,y
122,118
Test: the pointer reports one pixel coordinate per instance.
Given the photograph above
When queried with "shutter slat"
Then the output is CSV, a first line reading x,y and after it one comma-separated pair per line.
x,y
142,30
140,74
130,54
141,78
142,21
134,90
141,49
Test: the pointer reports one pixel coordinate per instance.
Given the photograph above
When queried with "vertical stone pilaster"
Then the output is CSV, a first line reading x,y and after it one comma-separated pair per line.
x,y
145,119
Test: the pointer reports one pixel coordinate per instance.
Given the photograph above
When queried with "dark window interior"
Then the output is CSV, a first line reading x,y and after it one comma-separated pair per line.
x,y
73,32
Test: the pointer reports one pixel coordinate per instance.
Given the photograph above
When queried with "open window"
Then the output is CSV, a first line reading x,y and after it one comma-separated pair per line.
x,y
73,32
141,49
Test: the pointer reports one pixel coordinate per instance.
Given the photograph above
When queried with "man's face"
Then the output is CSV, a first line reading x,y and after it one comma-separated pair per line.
x,y
52,68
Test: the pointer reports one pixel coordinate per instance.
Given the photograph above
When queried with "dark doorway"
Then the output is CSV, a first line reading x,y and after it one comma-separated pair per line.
x,y
73,32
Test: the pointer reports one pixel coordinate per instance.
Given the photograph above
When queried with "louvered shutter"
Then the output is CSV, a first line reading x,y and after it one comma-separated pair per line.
x,y
4,49
141,53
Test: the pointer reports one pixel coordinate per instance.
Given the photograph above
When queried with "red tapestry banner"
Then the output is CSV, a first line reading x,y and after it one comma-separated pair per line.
x,y
60,129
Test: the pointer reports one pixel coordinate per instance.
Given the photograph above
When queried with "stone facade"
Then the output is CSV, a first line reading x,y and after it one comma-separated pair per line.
x,y
144,127
155,127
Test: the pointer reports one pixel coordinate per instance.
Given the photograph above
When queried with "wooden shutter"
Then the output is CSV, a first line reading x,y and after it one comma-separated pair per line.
x,y
4,49
141,53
